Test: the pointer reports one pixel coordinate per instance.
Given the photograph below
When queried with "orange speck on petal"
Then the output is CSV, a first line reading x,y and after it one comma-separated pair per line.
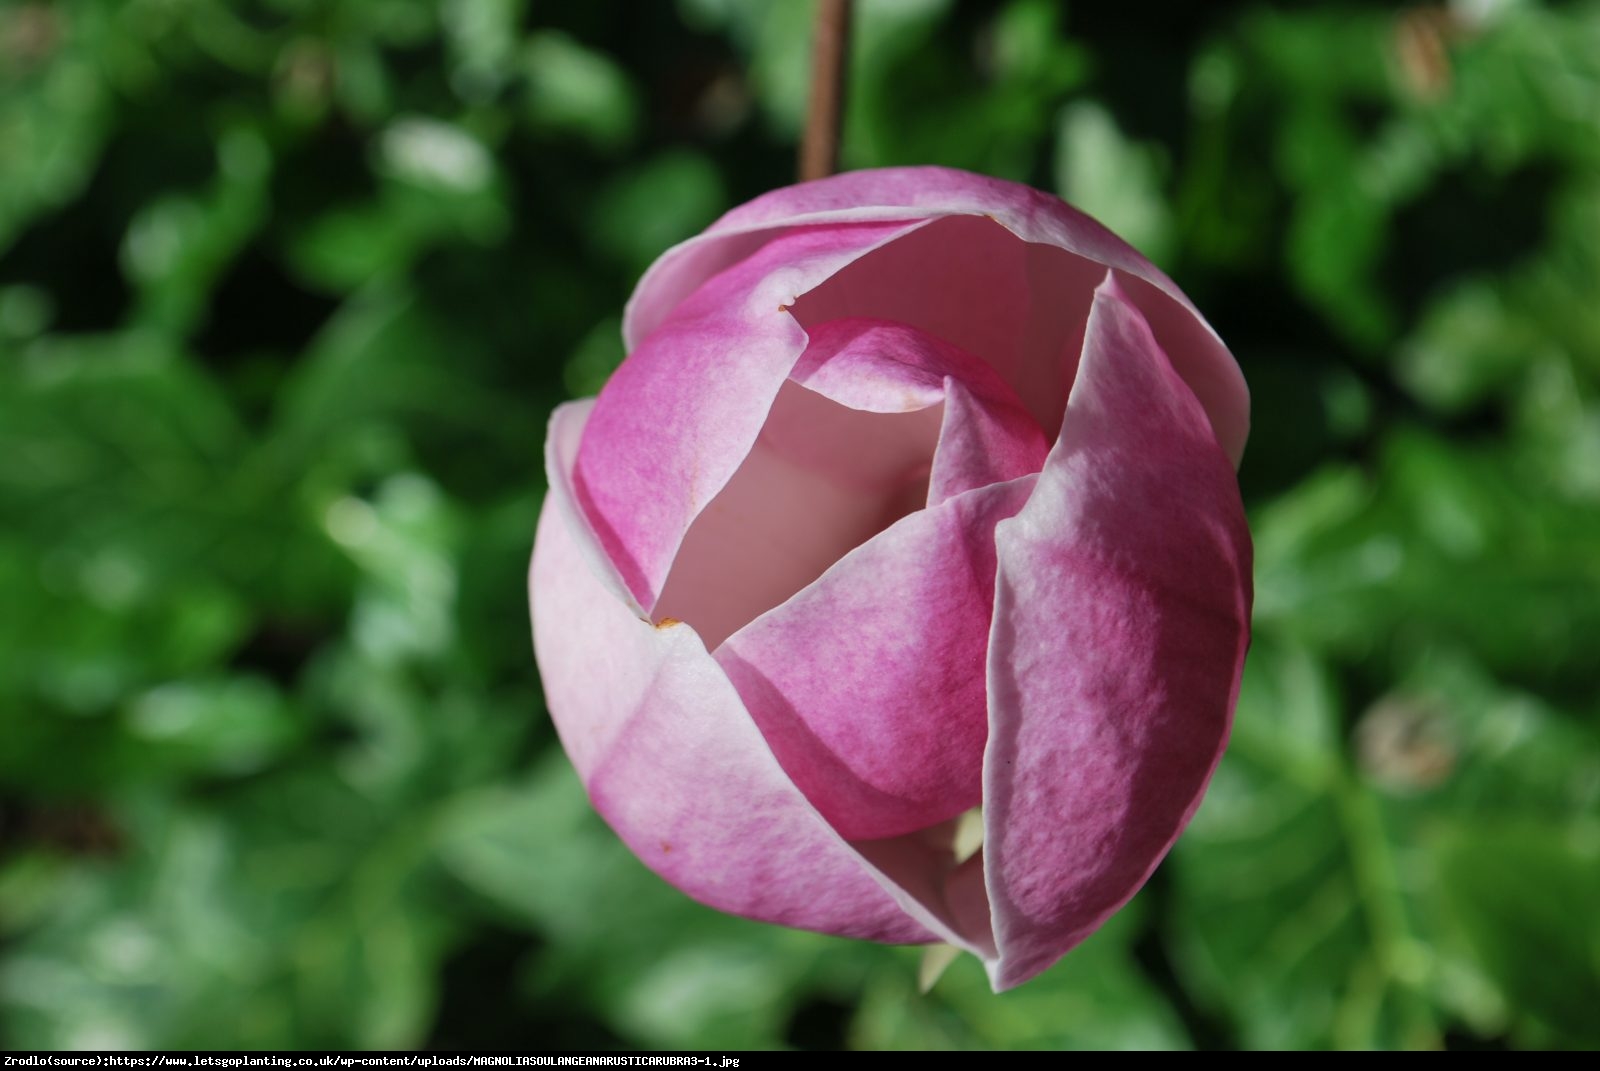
x,y
668,622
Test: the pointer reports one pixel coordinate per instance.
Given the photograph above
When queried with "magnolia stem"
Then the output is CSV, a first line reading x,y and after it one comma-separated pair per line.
x,y
819,148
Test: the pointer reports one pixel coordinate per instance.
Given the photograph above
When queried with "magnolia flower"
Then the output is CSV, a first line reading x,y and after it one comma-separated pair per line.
x,y
897,585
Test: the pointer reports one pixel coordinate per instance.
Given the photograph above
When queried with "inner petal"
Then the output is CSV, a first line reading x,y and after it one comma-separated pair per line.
x,y
821,479
1018,306
884,366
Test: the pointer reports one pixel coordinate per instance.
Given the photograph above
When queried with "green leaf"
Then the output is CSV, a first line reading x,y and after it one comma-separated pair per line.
x,y
1288,916
231,726
1113,179
220,931
1373,565
573,90
658,204
1523,897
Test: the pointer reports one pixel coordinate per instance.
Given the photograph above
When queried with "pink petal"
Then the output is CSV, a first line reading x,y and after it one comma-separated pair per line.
x,y
879,366
882,366
1120,626
560,461
869,684
673,761
982,442
679,416
926,193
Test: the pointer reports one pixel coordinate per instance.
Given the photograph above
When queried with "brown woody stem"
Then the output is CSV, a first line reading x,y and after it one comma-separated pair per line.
x,y
819,148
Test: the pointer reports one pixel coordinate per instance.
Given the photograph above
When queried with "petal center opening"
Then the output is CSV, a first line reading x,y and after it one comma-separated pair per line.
x,y
821,480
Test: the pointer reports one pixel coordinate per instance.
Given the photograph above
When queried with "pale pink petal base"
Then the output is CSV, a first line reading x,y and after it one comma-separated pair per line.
x,y
1121,620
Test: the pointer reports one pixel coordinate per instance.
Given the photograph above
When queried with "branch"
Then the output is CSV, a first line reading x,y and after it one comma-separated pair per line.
x,y
830,49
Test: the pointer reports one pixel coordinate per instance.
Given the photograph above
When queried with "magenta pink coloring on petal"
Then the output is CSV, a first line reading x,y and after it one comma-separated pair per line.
x,y
812,582
1121,621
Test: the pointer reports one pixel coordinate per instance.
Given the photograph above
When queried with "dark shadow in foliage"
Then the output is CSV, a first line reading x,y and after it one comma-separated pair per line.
x,y
259,308
72,257
482,1006
279,650
1287,354
326,170
1471,221
1144,57
1459,1039
821,1024
1207,1030
73,254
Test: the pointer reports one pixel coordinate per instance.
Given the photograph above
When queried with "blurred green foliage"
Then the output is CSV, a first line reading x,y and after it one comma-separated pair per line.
x,y
288,288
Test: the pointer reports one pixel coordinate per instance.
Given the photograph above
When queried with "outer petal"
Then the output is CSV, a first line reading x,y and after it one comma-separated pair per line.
x,y
1120,627
672,759
560,450
927,193
869,683
684,409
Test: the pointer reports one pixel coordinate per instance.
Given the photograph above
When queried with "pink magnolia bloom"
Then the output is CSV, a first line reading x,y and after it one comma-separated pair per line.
x,y
913,500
